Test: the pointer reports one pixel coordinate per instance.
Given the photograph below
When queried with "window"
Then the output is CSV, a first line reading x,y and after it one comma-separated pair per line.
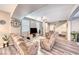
x,y
25,25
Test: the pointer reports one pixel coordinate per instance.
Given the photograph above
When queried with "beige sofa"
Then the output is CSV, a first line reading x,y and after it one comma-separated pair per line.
x,y
23,46
48,42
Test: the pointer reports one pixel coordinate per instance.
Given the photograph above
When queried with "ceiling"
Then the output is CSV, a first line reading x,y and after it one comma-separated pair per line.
x,y
75,13
51,12
24,9
8,8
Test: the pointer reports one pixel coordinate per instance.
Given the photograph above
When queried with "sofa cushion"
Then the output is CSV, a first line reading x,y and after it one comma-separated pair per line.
x,y
23,47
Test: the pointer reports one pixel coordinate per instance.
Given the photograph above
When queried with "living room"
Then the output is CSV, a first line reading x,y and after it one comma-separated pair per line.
x,y
23,26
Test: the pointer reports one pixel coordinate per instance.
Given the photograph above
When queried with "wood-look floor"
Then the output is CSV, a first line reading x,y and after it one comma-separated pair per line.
x,y
56,50
11,50
63,47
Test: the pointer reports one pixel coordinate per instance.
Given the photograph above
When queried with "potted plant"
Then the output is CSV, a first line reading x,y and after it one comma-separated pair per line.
x,y
6,40
74,36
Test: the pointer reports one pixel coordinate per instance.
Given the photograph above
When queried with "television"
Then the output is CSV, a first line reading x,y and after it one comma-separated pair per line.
x,y
33,30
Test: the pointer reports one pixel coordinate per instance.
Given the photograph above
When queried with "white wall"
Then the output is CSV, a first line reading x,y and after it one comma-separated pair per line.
x,y
28,23
38,26
25,25
75,25
51,27
33,24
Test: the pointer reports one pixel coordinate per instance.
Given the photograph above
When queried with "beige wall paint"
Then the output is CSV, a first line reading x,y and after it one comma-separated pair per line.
x,y
47,27
58,27
6,28
61,28
69,30
14,30
51,27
